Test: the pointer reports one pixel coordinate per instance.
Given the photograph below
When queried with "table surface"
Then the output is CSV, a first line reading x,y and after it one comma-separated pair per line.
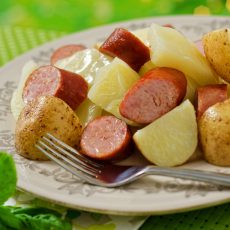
x,y
16,37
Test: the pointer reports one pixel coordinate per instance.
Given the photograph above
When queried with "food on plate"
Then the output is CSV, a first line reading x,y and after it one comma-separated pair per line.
x,y
170,140
65,51
169,48
214,133
191,90
126,46
217,50
137,86
88,111
146,67
209,95
111,84
50,80
17,103
86,63
156,93
45,114
106,138
142,34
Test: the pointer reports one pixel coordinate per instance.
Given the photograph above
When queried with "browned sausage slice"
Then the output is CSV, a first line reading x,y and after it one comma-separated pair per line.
x,y
64,52
50,80
126,46
209,95
156,93
106,138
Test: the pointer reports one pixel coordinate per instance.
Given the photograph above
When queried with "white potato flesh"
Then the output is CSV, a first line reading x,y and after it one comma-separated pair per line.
x,y
191,90
171,139
146,67
111,84
88,111
142,34
169,48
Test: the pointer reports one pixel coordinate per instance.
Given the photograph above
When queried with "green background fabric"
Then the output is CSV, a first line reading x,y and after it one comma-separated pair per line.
x,y
74,15
215,218
16,40
25,24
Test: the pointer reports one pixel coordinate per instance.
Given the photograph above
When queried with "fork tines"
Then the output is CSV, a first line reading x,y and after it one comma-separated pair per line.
x,y
67,156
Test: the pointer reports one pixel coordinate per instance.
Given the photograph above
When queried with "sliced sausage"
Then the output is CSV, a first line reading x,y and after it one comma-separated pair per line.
x,y
106,138
156,93
50,80
126,46
209,95
64,52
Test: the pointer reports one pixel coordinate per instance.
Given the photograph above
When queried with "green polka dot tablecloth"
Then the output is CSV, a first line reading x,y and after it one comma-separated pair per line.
x,y
15,41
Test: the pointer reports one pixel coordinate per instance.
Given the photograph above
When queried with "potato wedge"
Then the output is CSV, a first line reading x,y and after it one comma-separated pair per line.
x,y
169,48
146,67
88,111
217,50
110,86
171,139
42,115
214,133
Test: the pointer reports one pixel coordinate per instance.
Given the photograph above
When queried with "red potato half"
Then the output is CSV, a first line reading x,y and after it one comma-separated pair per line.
x,y
106,138
217,51
214,135
126,46
50,80
156,93
46,114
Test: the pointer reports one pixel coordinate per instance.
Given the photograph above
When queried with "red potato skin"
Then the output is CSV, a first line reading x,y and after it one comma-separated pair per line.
x,y
50,80
126,46
65,51
156,93
106,138
209,95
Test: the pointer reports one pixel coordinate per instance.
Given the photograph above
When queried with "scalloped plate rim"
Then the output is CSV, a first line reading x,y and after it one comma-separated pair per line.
x,y
225,196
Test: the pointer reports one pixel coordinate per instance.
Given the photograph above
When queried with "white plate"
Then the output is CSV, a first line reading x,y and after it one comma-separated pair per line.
x,y
150,195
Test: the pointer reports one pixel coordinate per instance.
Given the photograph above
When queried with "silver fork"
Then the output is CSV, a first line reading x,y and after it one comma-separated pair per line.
x,y
108,175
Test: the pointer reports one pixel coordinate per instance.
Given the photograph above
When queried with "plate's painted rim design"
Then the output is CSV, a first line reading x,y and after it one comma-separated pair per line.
x,y
130,213
72,185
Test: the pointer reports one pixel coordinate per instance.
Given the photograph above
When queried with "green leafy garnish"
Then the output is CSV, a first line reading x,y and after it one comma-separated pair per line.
x,y
24,218
17,218
8,177
8,219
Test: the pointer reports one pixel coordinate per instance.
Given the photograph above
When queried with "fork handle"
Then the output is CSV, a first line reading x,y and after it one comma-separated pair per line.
x,y
190,174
